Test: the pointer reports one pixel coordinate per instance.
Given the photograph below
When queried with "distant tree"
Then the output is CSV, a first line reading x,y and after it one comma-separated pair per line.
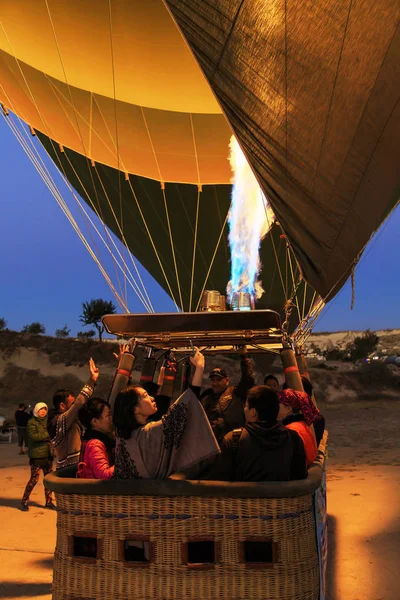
x,y
93,311
63,333
34,328
335,353
315,349
363,345
86,335
3,324
330,346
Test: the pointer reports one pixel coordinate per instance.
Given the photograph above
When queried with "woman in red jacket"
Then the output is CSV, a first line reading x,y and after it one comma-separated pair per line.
x,y
298,413
97,456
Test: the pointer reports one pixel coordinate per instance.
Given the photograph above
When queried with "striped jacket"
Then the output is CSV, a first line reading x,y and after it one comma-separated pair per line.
x,y
65,434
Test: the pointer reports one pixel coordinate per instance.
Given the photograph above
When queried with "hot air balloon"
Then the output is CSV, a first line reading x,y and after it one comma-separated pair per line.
x,y
124,111
136,103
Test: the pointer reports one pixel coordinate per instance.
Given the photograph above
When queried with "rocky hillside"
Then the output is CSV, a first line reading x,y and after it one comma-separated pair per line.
x,y
33,367
389,340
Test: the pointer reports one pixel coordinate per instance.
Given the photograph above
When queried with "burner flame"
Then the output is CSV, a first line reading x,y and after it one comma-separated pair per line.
x,y
250,218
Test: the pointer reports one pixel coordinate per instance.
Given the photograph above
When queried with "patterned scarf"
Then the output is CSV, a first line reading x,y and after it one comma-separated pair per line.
x,y
181,439
299,401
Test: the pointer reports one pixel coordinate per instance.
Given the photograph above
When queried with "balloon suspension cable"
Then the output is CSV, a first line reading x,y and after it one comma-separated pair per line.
x,y
43,171
353,288
287,341
149,351
304,329
186,357
165,354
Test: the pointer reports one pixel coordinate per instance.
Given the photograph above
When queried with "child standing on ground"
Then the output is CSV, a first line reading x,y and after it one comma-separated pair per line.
x,y
39,452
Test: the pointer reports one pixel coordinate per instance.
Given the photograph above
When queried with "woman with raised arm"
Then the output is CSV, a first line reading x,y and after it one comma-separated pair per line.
x,y
154,450
64,428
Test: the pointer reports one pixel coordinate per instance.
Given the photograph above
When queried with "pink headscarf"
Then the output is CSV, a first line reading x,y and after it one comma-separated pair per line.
x,y
299,401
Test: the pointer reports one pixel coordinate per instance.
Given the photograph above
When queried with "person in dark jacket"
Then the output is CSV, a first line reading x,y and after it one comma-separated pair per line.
x,y
223,403
39,454
21,419
264,450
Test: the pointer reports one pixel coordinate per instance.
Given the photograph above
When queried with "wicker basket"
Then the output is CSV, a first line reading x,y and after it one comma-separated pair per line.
x,y
171,520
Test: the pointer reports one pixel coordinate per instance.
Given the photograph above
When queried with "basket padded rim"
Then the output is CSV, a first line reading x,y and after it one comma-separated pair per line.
x,y
176,487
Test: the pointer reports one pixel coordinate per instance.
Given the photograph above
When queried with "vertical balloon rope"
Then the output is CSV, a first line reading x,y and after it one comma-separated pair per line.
x,y
87,157
31,93
194,249
212,261
57,195
353,288
121,217
37,160
89,162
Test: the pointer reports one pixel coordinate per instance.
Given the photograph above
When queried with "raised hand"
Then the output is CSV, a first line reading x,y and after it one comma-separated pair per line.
x,y
94,371
198,360
122,350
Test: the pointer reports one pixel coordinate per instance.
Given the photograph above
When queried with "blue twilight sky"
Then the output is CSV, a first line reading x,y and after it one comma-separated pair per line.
x,y
46,272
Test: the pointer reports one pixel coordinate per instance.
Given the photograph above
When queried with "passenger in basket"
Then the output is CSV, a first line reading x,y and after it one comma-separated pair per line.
x,y
155,450
271,382
163,402
263,450
319,420
64,428
224,403
97,456
297,412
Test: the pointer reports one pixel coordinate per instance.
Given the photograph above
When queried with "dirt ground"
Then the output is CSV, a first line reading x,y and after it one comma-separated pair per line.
x,y
363,497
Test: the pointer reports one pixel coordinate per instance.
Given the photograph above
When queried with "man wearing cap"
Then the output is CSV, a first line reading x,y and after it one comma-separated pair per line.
x,y
224,403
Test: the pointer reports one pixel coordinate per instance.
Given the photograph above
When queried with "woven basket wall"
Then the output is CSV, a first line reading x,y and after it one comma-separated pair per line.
x,y
169,522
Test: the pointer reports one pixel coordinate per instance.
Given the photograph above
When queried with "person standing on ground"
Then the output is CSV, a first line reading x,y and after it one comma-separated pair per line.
x,y
21,419
64,429
39,454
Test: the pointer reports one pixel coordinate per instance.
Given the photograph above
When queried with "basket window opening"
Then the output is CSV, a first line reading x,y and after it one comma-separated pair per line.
x,y
84,547
259,552
137,551
201,552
